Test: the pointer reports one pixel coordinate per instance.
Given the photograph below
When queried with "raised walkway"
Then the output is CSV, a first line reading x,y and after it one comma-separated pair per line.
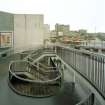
x,y
69,94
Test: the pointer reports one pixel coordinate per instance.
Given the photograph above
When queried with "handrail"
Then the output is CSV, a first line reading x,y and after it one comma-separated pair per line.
x,y
16,61
81,51
41,83
93,65
35,81
26,78
59,76
86,101
89,100
34,51
47,67
7,51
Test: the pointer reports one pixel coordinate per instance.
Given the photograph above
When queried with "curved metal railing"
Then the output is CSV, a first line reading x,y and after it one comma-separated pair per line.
x,y
33,57
30,80
89,100
92,69
26,78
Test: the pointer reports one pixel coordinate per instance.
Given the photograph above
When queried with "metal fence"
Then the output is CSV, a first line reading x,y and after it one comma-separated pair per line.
x,y
32,57
32,80
94,44
88,100
90,65
40,86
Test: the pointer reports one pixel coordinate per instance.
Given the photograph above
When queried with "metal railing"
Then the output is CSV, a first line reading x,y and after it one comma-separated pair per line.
x,y
30,80
94,44
90,65
27,53
6,53
35,55
24,51
42,85
88,100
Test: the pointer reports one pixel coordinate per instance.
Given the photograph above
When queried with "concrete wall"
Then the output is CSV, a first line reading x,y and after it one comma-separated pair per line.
x,y
28,30
19,31
6,25
35,29
46,31
6,21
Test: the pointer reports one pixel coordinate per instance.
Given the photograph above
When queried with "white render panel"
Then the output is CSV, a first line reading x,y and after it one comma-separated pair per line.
x,y
46,31
34,29
28,30
19,31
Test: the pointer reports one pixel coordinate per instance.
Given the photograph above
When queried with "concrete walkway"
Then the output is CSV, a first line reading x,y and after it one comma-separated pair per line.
x,y
67,96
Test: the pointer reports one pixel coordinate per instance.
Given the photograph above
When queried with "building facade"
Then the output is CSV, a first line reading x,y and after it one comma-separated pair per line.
x,y
46,31
62,29
6,30
28,30
22,30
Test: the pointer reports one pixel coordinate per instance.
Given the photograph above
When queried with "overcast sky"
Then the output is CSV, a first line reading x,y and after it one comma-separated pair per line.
x,y
86,14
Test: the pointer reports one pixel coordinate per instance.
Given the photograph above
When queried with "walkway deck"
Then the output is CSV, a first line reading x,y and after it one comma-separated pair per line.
x,y
67,96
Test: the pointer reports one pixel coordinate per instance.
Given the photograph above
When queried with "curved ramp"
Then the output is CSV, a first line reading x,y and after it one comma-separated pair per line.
x,y
68,95
27,79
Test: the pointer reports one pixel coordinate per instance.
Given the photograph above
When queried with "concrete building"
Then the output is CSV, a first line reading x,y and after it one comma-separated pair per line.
x,y
73,33
62,29
53,33
22,30
28,30
6,30
46,31
82,31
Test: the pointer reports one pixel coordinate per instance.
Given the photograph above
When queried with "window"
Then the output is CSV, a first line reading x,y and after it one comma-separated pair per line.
x,y
5,39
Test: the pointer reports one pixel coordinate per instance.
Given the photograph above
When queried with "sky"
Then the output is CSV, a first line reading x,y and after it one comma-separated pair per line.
x,y
79,14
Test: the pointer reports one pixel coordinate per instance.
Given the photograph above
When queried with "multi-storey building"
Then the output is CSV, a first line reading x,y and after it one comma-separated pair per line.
x,y
61,29
20,30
